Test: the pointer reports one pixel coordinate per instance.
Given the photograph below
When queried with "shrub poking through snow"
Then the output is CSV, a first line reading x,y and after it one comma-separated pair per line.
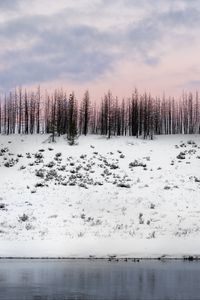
x,y
152,206
196,179
141,220
38,155
114,167
4,150
40,173
191,142
59,154
52,174
23,218
181,155
40,184
124,185
167,187
22,167
2,206
10,163
51,164
137,163
183,145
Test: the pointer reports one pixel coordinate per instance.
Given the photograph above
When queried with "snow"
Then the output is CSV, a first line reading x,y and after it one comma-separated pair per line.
x,y
124,196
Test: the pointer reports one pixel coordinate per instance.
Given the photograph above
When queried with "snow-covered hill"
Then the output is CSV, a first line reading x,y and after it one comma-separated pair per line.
x,y
123,196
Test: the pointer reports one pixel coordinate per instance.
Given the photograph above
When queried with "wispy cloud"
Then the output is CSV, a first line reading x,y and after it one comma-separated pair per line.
x,y
64,46
192,84
6,5
70,52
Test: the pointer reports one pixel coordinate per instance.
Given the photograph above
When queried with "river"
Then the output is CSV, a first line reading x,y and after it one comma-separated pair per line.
x,y
99,279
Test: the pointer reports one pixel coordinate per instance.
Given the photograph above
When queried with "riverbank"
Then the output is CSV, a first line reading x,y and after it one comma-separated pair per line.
x,y
102,248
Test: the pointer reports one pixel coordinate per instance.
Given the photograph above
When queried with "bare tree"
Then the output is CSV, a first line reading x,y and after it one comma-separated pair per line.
x,y
72,119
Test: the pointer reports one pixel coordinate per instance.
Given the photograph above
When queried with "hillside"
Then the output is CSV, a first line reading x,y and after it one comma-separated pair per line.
x,y
123,196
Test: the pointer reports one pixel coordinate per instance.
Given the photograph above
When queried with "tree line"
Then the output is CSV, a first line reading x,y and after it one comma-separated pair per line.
x,y
58,114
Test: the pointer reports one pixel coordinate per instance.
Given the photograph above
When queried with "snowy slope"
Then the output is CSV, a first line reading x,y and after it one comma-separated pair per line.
x,y
122,196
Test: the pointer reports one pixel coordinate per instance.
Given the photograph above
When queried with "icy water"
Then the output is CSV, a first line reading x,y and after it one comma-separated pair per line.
x,y
91,280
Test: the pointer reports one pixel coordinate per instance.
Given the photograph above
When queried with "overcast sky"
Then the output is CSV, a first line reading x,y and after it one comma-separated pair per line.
x,y
153,45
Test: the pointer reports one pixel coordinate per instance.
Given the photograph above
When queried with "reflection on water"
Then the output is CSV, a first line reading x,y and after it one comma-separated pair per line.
x,y
90,280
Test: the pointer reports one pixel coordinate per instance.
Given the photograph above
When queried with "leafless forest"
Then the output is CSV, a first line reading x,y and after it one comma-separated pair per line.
x,y
23,112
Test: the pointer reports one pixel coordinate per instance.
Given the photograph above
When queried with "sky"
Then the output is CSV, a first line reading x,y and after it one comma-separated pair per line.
x,y
151,45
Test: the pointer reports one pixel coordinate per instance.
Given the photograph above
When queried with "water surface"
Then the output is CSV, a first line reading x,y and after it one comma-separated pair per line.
x,y
98,279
